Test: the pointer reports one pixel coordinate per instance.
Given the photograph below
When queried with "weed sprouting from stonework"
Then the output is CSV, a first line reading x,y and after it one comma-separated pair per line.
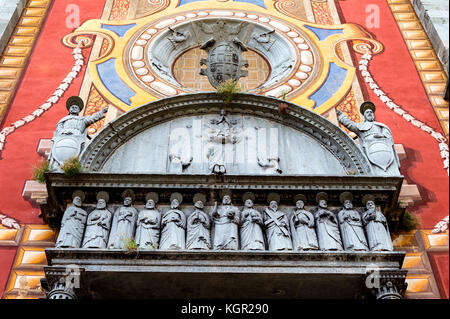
x,y
71,167
39,170
228,89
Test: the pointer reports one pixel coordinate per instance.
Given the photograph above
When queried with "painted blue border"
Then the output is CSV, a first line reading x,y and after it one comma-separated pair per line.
x,y
111,80
120,30
322,34
335,78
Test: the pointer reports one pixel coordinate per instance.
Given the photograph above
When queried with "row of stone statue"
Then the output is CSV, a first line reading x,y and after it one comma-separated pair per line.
x,y
249,229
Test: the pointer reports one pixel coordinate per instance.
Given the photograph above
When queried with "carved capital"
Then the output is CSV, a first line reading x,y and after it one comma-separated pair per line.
x,y
387,284
62,283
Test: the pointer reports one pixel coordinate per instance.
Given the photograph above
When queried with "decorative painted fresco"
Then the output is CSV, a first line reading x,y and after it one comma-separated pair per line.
x,y
324,55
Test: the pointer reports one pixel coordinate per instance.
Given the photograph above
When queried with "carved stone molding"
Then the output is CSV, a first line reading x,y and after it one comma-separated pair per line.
x,y
62,282
118,132
388,284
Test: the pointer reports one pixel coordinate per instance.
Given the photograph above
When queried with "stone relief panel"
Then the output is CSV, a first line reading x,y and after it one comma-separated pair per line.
x,y
219,144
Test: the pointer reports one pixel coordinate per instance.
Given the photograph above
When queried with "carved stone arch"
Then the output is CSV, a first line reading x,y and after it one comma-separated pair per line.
x,y
128,125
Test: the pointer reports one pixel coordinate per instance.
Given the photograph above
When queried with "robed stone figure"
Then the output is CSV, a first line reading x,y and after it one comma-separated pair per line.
x,y
71,132
327,228
124,224
98,226
173,224
252,237
277,228
376,228
376,141
352,231
226,220
148,226
198,229
72,225
303,228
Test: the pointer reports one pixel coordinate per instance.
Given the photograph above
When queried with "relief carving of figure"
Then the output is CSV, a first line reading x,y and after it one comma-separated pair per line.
x,y
327,228
376,141
98,224
350,224
73,223
302,226
252,237
124,222
376,227
226,220
173,224
177,37
148,224
265,39
198,226
71,133
277,226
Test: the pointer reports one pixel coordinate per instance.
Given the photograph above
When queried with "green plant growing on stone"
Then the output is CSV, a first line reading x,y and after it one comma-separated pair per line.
x,y
228,89
131,245
39,171
71,167
409,221
351,172
283,95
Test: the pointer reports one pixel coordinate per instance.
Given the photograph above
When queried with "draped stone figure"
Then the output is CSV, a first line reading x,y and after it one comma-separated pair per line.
x,y
124,223
73,224
375,139
302,226
148,225
173,224
226,220
277,228
98,226
252,237
376,228
350,224
198,228
326,226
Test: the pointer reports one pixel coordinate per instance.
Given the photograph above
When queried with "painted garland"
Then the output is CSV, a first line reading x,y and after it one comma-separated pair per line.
x,y
443,146
55,97
441,227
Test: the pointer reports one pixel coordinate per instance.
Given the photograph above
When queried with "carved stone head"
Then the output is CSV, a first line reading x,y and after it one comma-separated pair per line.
x,y
369,115
226,200
74,109
150,204
299,204
273,205
370,205
198,204
77,201
175,203
127,201
323,203
348,204
101,204
248,203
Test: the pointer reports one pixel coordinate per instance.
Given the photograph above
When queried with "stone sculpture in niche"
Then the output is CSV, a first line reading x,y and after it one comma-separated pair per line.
x,y
177,37
124,222
376,141
224,60
198,226
350,224
73,223
98,224
265,39
226,220
173,224
221,133
376,226
277,225
148,224
302,226
327,228
71,133
252,237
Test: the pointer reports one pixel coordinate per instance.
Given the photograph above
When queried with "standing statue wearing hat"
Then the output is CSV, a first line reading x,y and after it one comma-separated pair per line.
x,y
350,225
173,224
73,223
98,224
71,132
252,237
198,226
376,227
277,226
302,225
124,222
327,228
376,141
148,224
